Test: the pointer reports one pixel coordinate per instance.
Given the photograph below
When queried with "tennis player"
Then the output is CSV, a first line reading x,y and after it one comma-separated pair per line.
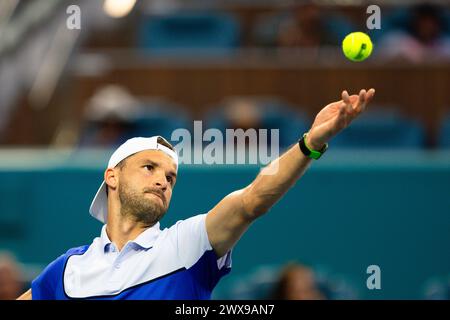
x,y
134,259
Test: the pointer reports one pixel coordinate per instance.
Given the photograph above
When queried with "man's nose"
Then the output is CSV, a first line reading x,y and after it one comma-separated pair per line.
x,y
161,181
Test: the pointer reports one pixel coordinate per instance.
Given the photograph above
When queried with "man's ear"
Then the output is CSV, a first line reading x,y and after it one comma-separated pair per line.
x,y
111,178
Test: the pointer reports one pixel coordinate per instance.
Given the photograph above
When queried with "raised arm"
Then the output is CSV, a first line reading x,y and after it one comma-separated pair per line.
x,y
232,216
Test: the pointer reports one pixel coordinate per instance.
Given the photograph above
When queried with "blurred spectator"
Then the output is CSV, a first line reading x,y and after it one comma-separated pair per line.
x,y
303,29
260,113
11,285
243,113
109,117
297,282
424,36
240,113
438,288
309,27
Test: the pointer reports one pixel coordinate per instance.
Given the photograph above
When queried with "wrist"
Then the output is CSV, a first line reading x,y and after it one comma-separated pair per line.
x,y
312,151
313,144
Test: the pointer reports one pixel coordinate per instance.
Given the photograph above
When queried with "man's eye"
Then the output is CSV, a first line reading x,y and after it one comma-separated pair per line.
x,y
169,179
149,167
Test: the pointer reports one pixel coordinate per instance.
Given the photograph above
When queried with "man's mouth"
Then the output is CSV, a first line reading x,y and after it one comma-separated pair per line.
x,y
158,195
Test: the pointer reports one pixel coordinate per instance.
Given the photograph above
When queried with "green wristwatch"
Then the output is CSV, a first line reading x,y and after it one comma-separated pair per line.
x,y
307,151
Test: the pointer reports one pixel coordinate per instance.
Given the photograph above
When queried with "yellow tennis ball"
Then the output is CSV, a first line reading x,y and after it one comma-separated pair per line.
x,y
357,46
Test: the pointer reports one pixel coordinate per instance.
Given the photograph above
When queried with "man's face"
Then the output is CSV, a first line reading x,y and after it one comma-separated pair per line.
x,y
145,185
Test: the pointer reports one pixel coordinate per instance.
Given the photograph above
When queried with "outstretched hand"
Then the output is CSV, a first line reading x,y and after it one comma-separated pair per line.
x,y
336,116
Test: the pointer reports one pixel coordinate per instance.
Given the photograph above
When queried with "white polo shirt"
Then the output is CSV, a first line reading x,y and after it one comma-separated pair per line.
x,y
174,263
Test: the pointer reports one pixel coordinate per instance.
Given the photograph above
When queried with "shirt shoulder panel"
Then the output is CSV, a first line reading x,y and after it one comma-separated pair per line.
x,y
46,285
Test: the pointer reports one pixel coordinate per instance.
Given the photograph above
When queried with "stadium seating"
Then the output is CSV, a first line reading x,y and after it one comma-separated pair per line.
x,y
382,128
155,117
160,117
184,33
398,19
444,132
275,114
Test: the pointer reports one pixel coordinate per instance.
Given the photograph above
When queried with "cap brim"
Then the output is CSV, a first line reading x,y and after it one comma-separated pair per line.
x,y
99,205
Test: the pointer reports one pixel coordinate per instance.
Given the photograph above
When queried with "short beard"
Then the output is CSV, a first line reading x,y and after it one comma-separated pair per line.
x,y
138,207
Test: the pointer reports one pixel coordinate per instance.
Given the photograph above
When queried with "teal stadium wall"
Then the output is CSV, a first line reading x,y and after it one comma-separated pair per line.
x,y
352,209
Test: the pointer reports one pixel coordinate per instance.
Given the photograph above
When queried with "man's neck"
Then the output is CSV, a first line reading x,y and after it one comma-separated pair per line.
x,y
121,230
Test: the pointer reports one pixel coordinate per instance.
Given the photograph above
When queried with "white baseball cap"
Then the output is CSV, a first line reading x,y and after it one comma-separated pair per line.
x,y
99,205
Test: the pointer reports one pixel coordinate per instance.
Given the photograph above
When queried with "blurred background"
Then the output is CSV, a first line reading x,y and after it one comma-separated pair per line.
x,y
380,196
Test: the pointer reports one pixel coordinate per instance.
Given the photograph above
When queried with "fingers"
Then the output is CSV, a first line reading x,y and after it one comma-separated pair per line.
x,y
366,99
345,96
347,102
370,94
361,102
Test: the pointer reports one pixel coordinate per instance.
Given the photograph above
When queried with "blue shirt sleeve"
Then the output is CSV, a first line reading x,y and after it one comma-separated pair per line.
x,y
196,251
217,268
45,285
209,270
